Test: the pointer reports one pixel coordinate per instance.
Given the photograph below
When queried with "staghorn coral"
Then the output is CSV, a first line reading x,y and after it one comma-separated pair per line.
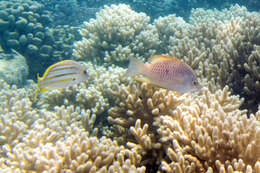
x,y
168,27
209,134
252,78
136,108
16,116
195,133
79,153
117,33
136,101
233,49
35,140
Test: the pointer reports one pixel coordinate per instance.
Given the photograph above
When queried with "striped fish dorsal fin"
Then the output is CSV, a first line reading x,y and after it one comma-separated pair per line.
x,y
156,58
48,70
52,67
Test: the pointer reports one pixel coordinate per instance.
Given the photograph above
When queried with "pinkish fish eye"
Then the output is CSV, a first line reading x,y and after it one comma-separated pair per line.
x,y
195,83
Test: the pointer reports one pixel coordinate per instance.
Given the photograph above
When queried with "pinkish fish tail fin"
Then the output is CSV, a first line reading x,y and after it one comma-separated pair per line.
x,y
135,67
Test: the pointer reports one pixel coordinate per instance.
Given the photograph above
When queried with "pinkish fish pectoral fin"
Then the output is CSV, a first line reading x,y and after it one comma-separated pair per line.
x,y
171,85
142,79
177,93
178,81
146,80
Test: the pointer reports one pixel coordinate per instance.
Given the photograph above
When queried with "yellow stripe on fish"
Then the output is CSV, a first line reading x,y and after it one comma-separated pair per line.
x,y
56,81
62,74
57,77
166,72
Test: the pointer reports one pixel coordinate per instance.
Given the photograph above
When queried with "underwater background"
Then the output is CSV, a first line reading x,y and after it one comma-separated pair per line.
x,y
112,123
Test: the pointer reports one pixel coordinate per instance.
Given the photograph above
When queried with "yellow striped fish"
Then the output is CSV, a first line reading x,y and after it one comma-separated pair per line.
x,y
62,74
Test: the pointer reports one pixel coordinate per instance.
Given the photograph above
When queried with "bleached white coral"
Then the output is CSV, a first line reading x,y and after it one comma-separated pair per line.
x,y
78,153
210,133
117,33
29,135
199,15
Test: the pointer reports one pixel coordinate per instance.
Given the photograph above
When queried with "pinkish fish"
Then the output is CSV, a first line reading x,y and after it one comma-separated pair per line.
x,y
166,72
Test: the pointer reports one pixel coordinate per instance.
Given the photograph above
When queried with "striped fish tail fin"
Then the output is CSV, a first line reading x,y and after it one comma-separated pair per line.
x,y
37,88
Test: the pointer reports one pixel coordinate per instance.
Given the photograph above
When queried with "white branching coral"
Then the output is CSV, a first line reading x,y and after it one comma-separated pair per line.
x,y
78,153
117,33
136,101
198,132
200,15
16,116
210,134
40,140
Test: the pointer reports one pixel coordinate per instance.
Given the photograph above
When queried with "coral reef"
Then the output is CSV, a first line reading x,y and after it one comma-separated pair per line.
x,y
33,140
139,102
23,26
117,33
94,95
136,109
111,123
210,134
156,129
219,46
198,133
